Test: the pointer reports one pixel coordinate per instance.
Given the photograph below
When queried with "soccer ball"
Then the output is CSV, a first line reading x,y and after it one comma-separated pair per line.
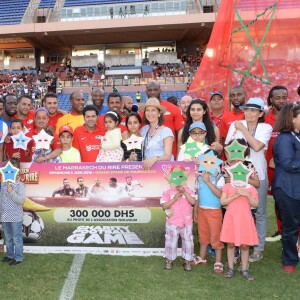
x,y
33,226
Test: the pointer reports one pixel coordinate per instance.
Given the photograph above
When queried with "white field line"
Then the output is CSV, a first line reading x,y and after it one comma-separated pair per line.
x,y
68,290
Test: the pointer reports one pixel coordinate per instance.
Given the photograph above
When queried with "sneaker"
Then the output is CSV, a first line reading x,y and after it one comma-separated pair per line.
x,y
211,251
289,269
6,259
187,265
169,264
14,262
255,257
276,237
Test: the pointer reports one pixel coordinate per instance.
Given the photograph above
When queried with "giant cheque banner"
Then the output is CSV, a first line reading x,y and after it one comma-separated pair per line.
x,y
101,208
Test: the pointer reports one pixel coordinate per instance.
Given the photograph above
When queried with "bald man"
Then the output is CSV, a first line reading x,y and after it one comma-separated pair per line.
x,y
98,99
184,104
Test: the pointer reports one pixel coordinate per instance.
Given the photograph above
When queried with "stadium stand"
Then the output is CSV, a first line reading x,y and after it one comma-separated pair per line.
x,y
11,12
69,3
47,3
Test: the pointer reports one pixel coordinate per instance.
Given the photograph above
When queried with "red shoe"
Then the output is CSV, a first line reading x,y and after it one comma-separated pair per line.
x,y
289,269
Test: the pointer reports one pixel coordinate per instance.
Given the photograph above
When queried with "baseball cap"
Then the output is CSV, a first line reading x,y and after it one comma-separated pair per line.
x,y
197,125
256,103
215,93
65,128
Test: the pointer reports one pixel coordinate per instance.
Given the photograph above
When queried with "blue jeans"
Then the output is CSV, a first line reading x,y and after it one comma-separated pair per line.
x,y
13,240
289,210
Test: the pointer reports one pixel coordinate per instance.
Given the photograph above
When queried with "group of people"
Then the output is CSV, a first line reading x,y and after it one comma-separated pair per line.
x,y
157,131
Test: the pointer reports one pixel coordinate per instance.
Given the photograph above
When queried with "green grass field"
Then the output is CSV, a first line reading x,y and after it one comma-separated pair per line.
x,y
115,277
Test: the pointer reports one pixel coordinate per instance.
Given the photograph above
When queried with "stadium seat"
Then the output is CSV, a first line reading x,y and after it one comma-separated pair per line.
x,y
47,3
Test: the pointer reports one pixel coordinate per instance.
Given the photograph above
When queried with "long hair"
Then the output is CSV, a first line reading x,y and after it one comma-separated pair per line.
x,y
284,121
210,132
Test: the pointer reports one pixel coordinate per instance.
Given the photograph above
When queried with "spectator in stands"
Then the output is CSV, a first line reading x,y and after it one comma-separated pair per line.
x,y
184,104
88,136
10,108
41,122
111,12
50,102
75,117
138,96
1,106
237,98
172,115
98,99
216,107
126,79
103,80
24,112
172,100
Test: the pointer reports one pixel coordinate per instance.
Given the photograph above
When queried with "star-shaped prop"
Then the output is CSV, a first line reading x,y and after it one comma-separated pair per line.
x,y
239,174
20,141
191,148
177,176
9,173
209,162
236,151
42,140
134,142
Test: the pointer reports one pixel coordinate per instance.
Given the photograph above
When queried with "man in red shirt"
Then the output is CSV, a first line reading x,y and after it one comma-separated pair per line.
x,y
87,137
216,107
50,102
172,117
237,97
41,121
277,98
114,102
184,104
24,112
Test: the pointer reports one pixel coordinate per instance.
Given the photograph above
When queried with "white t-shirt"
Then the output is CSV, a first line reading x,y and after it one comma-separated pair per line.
x,y
262,133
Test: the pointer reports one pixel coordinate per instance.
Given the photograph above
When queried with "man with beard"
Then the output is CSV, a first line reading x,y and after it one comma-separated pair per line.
x,y
98,99
75,118
50,102
277,98
237,97
24,112
10,109
65,190
81,190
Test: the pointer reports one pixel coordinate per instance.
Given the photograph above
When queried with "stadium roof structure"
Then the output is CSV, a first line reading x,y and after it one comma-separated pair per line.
x,y
60,35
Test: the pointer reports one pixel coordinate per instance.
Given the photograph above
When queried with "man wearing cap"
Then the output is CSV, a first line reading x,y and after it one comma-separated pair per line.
x,y
69,153
216,107
98,99
41,121
237,97
75,117
257,134
87,137
172,117
184,104
50,102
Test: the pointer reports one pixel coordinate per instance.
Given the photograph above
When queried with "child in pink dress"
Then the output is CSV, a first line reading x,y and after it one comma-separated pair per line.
x,y
238,226
177,203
